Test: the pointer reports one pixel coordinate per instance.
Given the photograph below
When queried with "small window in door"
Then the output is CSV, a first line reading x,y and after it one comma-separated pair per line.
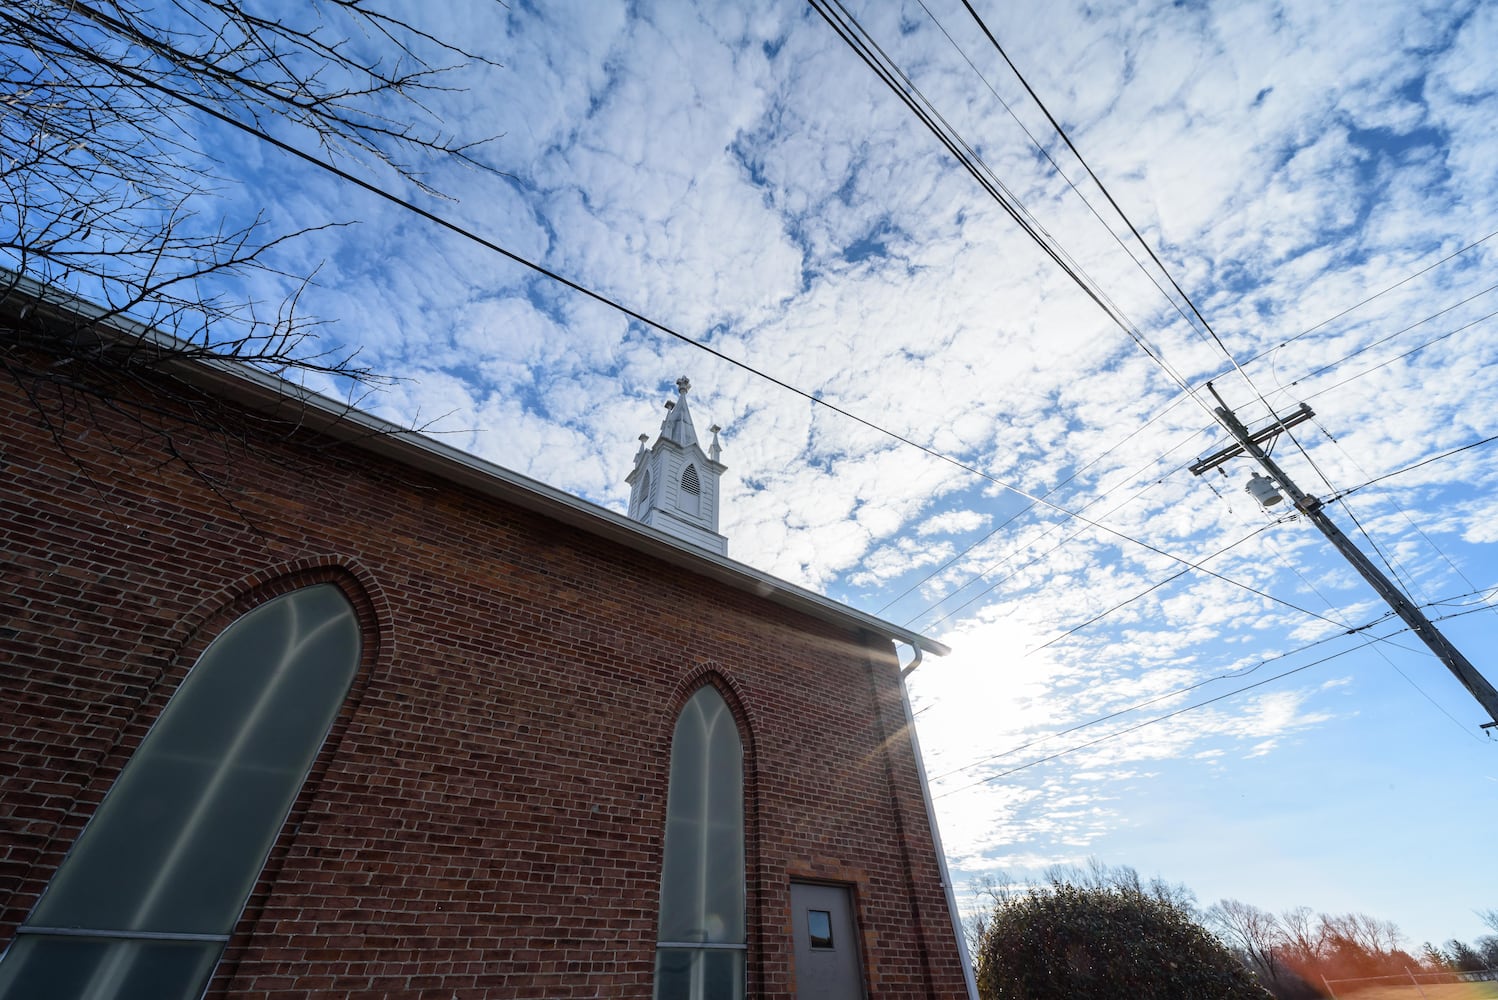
x,y
819,928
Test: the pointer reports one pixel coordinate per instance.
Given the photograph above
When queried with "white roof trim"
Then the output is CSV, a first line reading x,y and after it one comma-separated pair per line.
x,y
248,386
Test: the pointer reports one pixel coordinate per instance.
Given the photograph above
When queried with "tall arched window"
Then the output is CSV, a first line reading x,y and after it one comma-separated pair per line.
x,y
144,904
701,943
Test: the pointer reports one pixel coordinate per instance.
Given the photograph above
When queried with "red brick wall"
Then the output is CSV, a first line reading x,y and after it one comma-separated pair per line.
x,y
486,817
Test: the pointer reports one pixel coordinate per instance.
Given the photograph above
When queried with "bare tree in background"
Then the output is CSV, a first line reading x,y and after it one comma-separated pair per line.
x,y
1254,933
1358,934
105,192
1125,878
1302,938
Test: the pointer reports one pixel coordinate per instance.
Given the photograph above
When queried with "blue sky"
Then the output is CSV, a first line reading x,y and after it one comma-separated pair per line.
x,y
734,172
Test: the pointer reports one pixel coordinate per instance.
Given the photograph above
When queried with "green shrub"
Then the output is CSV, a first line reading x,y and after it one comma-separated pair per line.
x,y
1070,942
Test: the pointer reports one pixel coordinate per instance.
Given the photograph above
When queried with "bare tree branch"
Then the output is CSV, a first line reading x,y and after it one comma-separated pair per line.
x,y
105,186
107,190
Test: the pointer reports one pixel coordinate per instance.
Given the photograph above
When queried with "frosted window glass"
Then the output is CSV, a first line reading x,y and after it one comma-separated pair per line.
x,y
699,974
40,966
178,842
702,872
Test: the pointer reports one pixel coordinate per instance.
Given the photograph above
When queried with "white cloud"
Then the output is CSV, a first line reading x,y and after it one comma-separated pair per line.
x,y
732,171
953,522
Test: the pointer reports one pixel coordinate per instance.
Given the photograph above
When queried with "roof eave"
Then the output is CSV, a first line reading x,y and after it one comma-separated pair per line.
x,y
247,386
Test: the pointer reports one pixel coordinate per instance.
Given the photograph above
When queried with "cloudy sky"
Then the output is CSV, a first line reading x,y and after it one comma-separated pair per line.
x,y
1147,668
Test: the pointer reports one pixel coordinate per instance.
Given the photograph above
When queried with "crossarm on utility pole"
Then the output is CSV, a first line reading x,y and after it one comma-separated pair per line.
x,y
1220,456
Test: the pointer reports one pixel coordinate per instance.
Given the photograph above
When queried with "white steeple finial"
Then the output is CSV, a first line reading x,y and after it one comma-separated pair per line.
x,y
677,426
674,484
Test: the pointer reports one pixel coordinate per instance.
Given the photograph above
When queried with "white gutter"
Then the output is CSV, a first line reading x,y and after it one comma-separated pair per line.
x,y
941,854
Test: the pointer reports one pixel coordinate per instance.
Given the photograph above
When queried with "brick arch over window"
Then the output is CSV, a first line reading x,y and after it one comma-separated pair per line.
x,y
153,888
730,687
190,635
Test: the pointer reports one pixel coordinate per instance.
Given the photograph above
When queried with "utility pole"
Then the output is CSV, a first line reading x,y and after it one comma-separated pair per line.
x,y
1311,507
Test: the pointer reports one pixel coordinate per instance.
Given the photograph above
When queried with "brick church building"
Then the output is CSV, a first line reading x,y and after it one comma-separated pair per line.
x,y
298,704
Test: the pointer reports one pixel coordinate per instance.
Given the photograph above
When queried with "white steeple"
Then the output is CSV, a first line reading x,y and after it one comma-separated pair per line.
x,y
674,484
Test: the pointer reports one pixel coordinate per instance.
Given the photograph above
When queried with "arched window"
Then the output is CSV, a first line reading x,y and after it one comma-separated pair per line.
x,y
701,943
145,902
691,491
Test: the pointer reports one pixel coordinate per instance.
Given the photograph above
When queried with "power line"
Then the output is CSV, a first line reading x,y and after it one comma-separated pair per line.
x,y
852,32
1404,577
1400,357
1019,549
1376,642
1424,462
1455,601
1315,466
848,28
1037,557
1242,372
611,303
888,74
1145,593
1339,496
1166,696
1311,586
1313,509
1373,640
1206,324
1363,302
1383,340
1467,247
1397,572
1074,474
1060,131
1058,168
1329,366
1150,722
1397,506
1479,609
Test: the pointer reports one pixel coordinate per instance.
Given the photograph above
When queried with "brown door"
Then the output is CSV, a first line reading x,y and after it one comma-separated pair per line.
x,y
827,962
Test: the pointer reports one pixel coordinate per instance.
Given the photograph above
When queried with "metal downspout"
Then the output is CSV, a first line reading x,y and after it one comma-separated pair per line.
x,y
941,855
